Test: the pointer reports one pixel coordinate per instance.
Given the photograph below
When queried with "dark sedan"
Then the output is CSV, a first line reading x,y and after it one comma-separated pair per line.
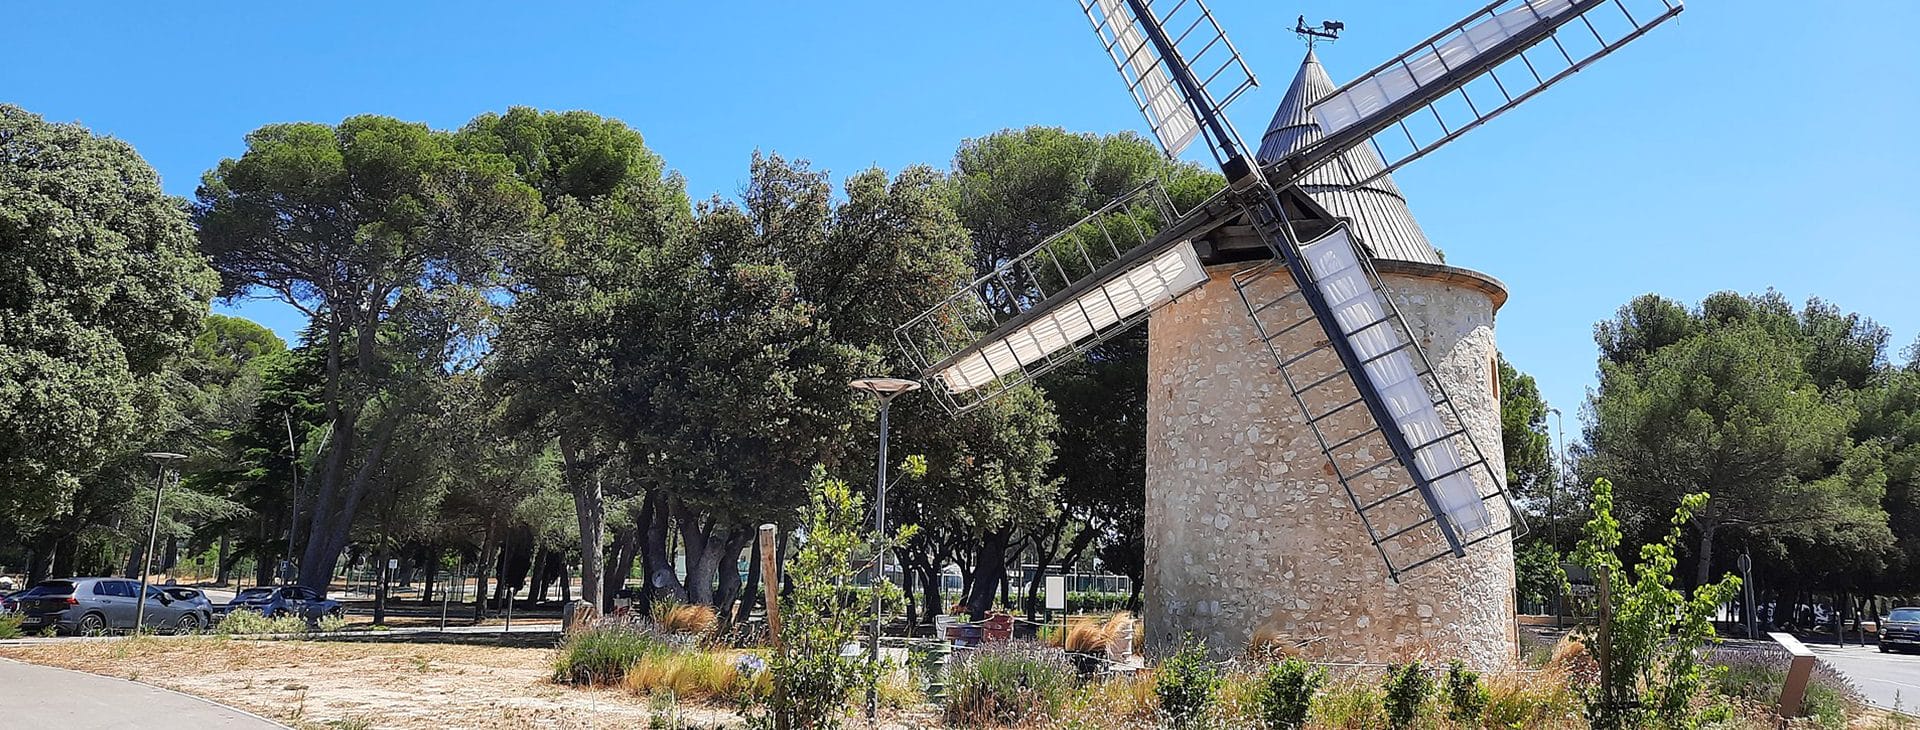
x,y
273,601
1900,630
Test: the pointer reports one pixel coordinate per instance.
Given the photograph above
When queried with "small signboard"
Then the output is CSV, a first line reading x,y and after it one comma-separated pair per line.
x,y
1056,592
393,563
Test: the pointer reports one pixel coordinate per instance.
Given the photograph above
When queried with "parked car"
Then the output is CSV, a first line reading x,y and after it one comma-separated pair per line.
x,y
6,602
271,601
1900,629
101,605
196,610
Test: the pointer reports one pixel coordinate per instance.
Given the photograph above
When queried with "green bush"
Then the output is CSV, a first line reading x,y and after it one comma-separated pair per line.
x,y
10,625
1097,601
1187,684
1466,694
1007,683
1407,687
244,622
1284,692
602,655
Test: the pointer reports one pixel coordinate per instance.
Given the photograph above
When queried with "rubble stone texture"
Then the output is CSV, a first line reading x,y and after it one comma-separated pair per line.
x,y
1246,527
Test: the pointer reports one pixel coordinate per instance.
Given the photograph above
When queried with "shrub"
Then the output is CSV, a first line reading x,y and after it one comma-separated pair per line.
x,y
1655,674
1283,694
244,622
1407,687
1007,683
10,625
1466,695
1758,672
1187,684
604,654
811,682
332,623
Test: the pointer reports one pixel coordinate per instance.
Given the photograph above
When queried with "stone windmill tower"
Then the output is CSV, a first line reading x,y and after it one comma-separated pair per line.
x,y
1323,456
1247,527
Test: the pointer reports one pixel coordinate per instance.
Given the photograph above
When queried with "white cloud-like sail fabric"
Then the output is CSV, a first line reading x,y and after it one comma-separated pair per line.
x,y
1358,308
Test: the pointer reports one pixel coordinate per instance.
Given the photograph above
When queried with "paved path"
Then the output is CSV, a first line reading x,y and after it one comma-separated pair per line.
x,y
35,696
1886,680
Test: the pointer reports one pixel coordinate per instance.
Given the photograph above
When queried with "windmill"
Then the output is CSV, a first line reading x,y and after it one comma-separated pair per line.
x,y
1348,360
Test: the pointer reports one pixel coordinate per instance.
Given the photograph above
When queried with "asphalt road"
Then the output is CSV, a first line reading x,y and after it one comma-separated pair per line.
x,y
1891,681
37,696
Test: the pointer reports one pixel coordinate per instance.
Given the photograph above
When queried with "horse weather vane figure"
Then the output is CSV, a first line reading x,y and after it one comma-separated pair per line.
x,y
1328,30
1110,271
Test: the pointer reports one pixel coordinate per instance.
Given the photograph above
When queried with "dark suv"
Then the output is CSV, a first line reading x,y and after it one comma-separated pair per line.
x,y
1900,629
99,605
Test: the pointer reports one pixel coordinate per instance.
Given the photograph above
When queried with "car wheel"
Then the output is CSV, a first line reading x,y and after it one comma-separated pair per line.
x,y
1885,649
92,624
337,612
188,624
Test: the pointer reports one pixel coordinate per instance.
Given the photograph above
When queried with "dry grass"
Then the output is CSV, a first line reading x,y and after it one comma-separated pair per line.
x,y
705,676
379,684
697,620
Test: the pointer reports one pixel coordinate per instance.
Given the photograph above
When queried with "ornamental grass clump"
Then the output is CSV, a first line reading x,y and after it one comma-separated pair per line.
x,y
603,655
1007,683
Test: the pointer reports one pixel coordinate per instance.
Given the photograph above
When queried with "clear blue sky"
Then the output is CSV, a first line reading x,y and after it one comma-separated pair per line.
x,y
1748,144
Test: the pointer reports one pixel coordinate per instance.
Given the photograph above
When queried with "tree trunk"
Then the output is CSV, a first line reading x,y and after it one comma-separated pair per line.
x,y
223,563
480,568
589,506
626,545
433,573
657,559
989,572
750,591
1705,568
728,568
930,586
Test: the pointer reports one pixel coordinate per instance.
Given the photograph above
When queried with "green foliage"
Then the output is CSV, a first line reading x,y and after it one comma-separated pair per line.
x,y
1466,695
1654,670
1007,683
1283,694
603,655
100,286
1753,402
10,625
1757,673
1406,688
1187,684
248,623
811,680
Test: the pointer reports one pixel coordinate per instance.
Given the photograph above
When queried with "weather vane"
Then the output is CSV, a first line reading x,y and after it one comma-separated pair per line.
x,y
1327,29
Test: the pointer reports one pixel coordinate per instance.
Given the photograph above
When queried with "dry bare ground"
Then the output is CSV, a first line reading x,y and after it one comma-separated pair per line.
x,y
365,683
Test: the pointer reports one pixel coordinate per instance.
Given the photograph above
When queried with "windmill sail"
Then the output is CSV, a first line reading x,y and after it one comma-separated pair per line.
x,y
1179,66
1464,76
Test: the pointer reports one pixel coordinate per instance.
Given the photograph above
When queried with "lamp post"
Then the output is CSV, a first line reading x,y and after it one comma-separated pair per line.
x,y
163,461
884,389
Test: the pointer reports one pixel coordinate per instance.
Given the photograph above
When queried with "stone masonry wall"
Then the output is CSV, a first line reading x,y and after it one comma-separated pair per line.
x,y
1246,527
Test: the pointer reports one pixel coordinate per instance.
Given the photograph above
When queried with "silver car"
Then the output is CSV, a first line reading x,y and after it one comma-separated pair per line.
x,y
102,605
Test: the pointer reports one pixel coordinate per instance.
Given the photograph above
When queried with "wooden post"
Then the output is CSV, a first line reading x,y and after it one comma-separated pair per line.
x,y
1798,671
770,583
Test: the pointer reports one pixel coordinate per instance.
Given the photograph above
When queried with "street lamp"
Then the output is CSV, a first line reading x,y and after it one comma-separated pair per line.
x,y
885,389
163,461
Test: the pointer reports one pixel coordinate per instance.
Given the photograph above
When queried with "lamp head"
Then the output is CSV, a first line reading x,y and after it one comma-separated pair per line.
x,y
163,457
885,388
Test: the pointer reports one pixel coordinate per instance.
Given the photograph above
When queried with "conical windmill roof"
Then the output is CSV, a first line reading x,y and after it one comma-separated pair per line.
x,y
1378,211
